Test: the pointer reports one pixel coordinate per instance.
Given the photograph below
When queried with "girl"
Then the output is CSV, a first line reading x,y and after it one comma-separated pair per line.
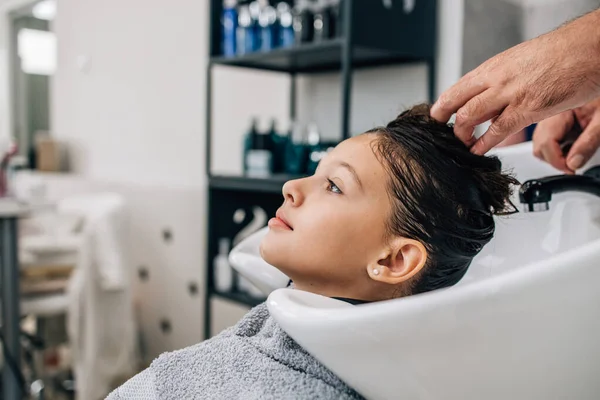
x,y
396,211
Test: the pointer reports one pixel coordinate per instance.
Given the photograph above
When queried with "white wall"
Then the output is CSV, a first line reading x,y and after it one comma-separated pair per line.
x,y
541,16
135,112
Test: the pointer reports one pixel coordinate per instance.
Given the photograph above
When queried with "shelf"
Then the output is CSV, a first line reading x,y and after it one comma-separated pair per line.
x,y
312,57
240,298
272,184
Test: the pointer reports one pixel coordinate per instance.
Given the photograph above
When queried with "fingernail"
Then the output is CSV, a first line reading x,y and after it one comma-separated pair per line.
x,y
433,110
575,162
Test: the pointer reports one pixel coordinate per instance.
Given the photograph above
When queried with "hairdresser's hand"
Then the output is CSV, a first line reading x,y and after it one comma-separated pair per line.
x,y
525,84
551,132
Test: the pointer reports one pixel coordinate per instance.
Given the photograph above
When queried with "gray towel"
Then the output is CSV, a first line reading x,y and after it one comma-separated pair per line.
x,y
255,359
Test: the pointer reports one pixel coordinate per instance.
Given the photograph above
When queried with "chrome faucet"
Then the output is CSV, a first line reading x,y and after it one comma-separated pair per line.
x,y
536,194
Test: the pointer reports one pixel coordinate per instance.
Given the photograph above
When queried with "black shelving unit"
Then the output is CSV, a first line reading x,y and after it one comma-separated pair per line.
x,y
374,34
271,184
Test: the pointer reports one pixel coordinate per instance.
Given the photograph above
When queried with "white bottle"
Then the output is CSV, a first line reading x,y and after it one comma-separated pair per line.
x,y
222,270
314,136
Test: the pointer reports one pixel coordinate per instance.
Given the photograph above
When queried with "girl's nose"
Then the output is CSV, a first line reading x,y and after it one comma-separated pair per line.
x,y
293,192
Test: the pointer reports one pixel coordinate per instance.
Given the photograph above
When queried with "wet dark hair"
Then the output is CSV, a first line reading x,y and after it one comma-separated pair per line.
x,y
443,195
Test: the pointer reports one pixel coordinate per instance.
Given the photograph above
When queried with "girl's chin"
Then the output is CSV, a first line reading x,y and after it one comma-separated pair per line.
x,y
266,249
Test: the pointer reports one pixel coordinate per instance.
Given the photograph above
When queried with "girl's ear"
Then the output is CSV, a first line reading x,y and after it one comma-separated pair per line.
x,y
402,260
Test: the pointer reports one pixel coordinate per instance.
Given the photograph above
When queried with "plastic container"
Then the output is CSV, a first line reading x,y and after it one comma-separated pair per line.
x,y
255,9
250,139
269,29
335,11
324,21
223,272
279,142
260,163
229,26
296,152
245,38
285,20
303,22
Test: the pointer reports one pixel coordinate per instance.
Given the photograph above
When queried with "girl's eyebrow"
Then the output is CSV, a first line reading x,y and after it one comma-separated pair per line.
x,y
353,172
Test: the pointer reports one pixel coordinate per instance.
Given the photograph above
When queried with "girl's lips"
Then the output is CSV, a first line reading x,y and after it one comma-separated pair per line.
x,y
278,223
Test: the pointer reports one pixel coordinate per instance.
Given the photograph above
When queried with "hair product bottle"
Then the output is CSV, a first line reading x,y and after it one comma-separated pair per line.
x,y
223,272
229,23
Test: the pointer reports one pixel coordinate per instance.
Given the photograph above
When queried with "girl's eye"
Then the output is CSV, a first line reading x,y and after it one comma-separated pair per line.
x,y
333,187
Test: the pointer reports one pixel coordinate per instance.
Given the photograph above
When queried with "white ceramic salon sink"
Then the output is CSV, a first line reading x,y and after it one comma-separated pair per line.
x,y
524,323
521,239
245,259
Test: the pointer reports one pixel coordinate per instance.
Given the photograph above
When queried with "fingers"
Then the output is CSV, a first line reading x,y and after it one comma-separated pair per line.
x,y
456,97
552,154
547,139
479,109
586,145
506,124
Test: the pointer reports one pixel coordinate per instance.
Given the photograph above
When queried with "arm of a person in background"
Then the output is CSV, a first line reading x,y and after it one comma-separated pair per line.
x,y
527,83
551,132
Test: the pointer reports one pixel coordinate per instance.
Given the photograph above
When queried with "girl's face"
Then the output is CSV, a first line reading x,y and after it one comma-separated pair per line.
x,y
331,229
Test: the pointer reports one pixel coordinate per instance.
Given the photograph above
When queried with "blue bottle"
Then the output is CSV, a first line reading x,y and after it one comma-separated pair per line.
x,y
285,21
245,32
255,9
229,23
268,29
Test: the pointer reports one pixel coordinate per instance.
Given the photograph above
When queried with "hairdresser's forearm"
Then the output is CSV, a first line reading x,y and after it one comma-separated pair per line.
x,y
587,29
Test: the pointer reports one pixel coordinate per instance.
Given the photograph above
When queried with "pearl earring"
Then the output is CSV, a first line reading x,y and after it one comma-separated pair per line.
x,y
375,271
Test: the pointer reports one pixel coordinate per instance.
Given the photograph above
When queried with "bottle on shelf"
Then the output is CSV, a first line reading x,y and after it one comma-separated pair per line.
x,y
323,21
269,29
250,139
335,10
315,152
245,38
259,159
223,273
279,141
255,8
314,136
229,23
303,22
285,22
296,151
318,9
